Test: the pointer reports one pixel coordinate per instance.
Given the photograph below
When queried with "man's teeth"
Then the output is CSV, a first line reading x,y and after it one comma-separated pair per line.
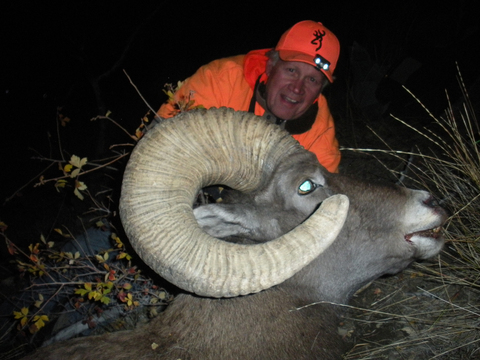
x,y
291,100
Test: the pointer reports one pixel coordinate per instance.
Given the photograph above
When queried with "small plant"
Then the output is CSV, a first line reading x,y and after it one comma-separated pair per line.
x,y
181,104
36,321
89,283
83,285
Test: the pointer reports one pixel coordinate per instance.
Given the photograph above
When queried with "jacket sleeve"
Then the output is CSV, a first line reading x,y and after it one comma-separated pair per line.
x,y
219,83
321,138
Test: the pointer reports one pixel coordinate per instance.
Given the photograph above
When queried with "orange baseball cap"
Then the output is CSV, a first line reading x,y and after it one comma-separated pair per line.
x,y
312,43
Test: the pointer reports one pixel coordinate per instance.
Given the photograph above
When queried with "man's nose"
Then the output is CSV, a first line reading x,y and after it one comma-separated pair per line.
x,y
297,86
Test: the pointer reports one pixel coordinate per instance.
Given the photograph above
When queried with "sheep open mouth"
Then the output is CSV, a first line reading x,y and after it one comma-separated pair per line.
x,y
435,233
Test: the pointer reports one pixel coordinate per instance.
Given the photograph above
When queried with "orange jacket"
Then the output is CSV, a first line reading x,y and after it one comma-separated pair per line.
x,y
231,81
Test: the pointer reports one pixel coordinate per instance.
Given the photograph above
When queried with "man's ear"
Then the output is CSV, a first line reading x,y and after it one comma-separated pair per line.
x,y
269,67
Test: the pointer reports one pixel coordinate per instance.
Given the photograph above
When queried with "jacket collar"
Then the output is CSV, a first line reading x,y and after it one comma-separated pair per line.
x,y
254,66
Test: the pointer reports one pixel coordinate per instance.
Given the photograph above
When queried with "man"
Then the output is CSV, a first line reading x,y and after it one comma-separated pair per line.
x,y
283,85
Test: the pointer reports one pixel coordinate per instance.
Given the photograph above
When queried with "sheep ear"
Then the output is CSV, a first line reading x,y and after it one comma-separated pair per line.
x,y
223,220
241,220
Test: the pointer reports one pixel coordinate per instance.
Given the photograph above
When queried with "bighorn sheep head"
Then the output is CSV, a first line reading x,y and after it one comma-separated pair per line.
x,y
158,192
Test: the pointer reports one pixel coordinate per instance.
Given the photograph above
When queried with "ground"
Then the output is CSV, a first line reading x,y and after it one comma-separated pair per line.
x,y
427,311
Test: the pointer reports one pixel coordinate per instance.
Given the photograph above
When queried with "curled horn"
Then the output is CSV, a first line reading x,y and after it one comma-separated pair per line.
x,y
195,149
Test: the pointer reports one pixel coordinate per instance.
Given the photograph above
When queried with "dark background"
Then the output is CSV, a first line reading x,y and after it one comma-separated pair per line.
x,y
53,51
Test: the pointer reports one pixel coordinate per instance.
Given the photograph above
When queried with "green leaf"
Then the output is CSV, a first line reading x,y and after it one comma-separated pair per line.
x,y
22,313
81,292
67,168
75,173
81,186
40,321
77,162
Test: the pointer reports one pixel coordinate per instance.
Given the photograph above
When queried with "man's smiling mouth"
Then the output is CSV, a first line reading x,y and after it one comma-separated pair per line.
x,y
290,100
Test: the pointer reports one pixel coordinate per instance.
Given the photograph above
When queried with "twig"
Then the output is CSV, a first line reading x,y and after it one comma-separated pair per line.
x,y
59,138
102,117
139,93
83,172
455,348
448,302
26,184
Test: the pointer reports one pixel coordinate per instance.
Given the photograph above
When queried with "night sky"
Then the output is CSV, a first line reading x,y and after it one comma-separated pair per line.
x,y
49,49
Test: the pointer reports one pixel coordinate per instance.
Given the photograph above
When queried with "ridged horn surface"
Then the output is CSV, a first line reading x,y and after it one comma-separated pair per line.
x,y
199,148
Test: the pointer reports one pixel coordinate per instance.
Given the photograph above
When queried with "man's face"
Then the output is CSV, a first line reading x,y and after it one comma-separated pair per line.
x,y
291,88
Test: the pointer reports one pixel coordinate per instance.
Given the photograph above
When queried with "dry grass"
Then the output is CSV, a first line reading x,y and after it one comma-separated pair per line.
x,y
432,310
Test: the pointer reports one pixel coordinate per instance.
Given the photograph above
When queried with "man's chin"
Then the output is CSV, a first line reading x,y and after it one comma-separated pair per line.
x,y
289,111
285,115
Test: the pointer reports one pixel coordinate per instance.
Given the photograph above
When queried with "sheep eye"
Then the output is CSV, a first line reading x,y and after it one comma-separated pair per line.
x,y
307,187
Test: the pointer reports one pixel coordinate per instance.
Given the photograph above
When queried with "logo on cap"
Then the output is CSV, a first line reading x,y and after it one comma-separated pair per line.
x,y
317,40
